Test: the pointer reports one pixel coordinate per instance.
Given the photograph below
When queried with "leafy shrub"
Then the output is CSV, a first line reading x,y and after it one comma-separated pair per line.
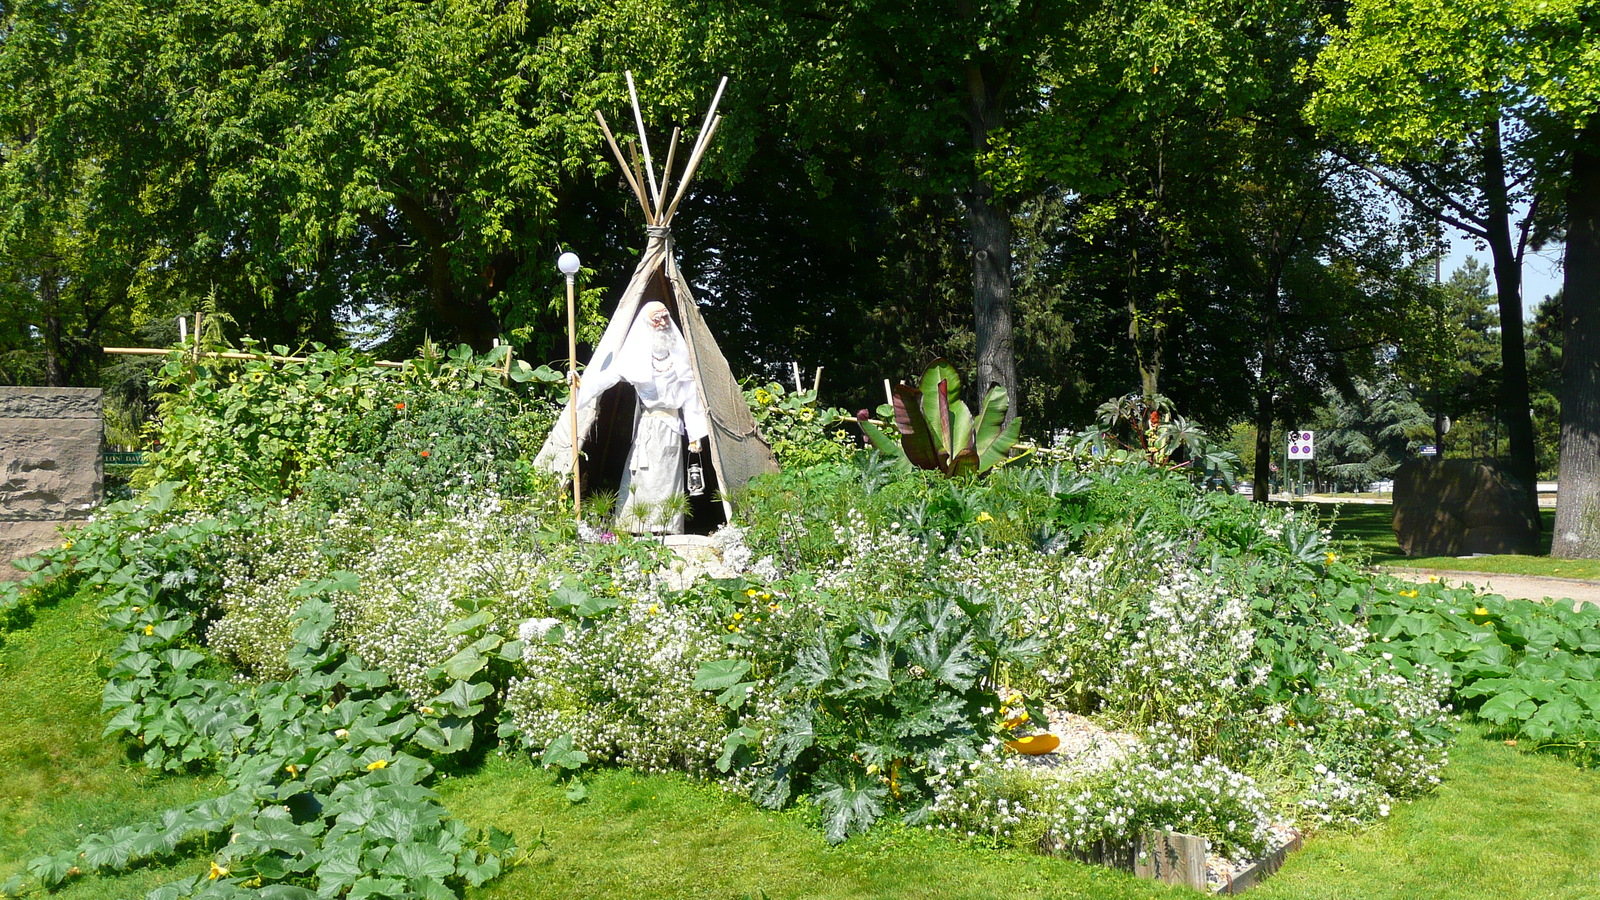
x,y
1530,670
878,700
1234,629
324,791
255,428
260,428
801,433
409,457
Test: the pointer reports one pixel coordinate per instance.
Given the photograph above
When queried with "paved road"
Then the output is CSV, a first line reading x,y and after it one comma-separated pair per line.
x,y
1523,586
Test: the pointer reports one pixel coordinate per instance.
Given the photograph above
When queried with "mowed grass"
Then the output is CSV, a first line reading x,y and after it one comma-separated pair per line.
x,y
1371,525
1504,826
59,780
660,837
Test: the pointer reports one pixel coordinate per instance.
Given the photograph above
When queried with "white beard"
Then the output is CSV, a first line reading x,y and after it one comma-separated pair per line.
x,y
661,343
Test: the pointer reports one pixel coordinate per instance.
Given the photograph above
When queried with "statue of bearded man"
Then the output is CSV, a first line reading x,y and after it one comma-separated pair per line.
x,y
654,360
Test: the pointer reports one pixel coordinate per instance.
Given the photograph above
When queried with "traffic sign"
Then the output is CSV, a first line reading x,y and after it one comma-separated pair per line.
x,y
1428,450
1302,445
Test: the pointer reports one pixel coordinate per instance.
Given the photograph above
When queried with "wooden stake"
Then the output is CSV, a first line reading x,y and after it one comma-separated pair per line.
x,y
888,392
183,330
816,383
795,368
572,398
644,141
666,172
689,170
622,163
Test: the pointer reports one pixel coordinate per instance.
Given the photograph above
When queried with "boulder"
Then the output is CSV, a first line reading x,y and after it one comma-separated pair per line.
x,y
50,470
1458,507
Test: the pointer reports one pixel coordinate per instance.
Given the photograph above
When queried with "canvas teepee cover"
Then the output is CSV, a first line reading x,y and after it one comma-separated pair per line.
x,y
736,451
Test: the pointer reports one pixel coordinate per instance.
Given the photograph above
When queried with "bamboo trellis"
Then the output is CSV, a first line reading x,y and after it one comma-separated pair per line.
x,y
195,351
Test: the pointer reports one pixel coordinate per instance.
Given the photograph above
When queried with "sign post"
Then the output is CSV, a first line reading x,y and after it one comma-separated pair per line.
x,y
1302,446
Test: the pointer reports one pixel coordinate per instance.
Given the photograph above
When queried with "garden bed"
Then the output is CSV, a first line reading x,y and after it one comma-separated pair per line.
x,y
860,646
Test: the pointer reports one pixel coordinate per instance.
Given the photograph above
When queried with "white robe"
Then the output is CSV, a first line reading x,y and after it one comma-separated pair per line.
x,y
669,410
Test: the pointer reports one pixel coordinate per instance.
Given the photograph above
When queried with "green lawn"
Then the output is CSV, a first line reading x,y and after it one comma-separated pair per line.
x,y
1371,525
58,779
1505,825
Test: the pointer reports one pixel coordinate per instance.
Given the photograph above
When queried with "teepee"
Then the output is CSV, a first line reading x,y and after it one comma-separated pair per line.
x,y
737,451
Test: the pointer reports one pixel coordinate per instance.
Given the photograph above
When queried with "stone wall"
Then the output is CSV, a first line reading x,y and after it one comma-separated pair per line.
x,y
50,471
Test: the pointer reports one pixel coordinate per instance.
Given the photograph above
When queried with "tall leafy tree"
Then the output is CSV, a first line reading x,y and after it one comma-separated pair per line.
x,y
1449,352
1513,87
317,162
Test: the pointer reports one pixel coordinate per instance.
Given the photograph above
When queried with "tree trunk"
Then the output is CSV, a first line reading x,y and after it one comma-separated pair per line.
x,y
1147,332
1521,461
51,330
1577,530
471,319
1266,379
1263,469
989,225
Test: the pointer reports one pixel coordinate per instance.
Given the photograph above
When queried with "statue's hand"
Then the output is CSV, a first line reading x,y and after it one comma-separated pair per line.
x,y
694,446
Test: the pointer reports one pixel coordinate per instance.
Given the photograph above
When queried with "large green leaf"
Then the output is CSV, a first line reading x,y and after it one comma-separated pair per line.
x,y
917,439
885,444
1510,706
960,429
418,860
1555,719
465,664
849,809
561,754
995,437
939,371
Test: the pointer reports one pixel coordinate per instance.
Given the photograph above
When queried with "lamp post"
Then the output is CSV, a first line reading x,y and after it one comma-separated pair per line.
x,y
568,264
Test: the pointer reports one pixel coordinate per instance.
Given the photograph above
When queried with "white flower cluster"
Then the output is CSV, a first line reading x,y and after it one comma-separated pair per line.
x,y
1382,736
1164,793
1077,808
1005,797
261,568
1145,634
877,561
735,554
623,687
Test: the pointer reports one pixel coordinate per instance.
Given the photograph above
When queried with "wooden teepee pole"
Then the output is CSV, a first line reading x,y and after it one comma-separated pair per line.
x,y
700,142
644,141
666,171
689,170
627,171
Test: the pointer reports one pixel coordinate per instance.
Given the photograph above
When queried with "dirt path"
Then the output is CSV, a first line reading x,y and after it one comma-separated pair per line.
x,y
1527,587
